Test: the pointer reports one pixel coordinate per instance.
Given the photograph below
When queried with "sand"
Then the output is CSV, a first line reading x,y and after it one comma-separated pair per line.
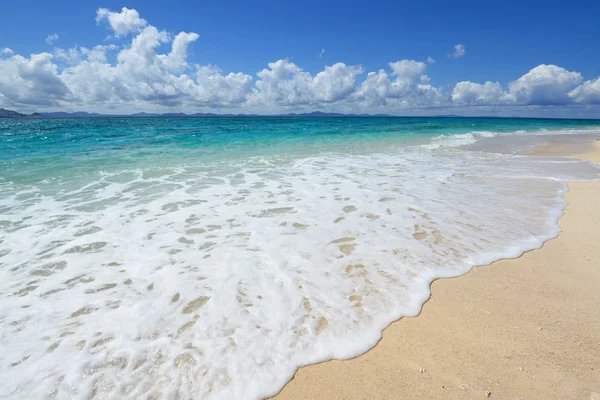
x,y
526,328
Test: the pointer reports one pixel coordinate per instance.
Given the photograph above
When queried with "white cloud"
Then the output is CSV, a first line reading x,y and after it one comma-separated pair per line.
x,y
335,83
68,56
587,93
407,70
322,52
406,85
123,23
284,83
459,51
51,38
544,84
217,90
140,75
97,53
379,86
475,93
33,81
176,60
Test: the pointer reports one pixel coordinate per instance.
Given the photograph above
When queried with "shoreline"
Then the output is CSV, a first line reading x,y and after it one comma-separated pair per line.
x,y
504,330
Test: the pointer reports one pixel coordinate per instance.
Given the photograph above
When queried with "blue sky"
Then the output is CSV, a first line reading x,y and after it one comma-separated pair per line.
x,y
503,40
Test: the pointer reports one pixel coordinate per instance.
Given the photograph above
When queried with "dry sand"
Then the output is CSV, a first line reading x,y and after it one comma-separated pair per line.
x,y
527,328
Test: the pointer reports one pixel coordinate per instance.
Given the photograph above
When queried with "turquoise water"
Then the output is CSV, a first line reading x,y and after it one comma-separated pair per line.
x,y
211,257
48,146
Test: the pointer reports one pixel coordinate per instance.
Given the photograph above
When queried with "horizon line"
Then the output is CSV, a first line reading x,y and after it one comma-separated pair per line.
x,y
10,114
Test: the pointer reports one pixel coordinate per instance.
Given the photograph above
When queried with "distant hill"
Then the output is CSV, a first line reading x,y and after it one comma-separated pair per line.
x,y
210,115
176,115
339,115
10,114
143,114
315,114
77,114
82,114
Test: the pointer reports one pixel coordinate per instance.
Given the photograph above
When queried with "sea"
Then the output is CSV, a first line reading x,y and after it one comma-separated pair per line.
x,y
209,258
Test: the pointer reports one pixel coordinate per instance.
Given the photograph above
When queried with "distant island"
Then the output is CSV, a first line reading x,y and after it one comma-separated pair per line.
x,y
82,114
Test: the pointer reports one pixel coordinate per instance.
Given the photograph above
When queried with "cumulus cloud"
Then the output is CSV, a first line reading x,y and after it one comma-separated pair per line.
x,y
405,85
587,93
97,53
335,83
141,76
475,93
217,90
149,69
459,51
51,38
407,70
68,56
545,84
32,81
122,23
285,83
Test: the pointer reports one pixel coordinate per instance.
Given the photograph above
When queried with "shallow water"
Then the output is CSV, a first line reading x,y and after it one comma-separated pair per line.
x,y
209,258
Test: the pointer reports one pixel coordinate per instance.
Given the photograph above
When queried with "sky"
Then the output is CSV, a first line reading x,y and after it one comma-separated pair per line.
x,y
526,58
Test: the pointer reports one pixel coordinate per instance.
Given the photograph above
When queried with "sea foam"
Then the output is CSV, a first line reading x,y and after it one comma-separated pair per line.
x,y
218,279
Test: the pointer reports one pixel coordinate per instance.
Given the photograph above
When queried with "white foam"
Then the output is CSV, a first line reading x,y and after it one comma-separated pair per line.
x,y
229,276
465,139
458,140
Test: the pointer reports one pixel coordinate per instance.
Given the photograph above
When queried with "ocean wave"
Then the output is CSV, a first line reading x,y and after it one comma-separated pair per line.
x,y
465,139
218,280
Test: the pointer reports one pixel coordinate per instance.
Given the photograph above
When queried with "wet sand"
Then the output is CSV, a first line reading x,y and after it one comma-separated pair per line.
x,y
526,328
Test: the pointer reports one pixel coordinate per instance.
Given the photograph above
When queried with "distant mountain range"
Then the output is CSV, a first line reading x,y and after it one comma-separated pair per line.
x,y
82,114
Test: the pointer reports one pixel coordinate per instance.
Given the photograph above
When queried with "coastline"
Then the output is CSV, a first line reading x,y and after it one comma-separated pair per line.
x,y
524,328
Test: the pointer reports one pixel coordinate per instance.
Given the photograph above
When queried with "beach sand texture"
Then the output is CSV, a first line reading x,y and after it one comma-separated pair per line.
x,y
526,328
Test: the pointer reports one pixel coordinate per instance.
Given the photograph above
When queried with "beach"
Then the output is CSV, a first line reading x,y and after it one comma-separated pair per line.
x,y
212,258
525,328
276,203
